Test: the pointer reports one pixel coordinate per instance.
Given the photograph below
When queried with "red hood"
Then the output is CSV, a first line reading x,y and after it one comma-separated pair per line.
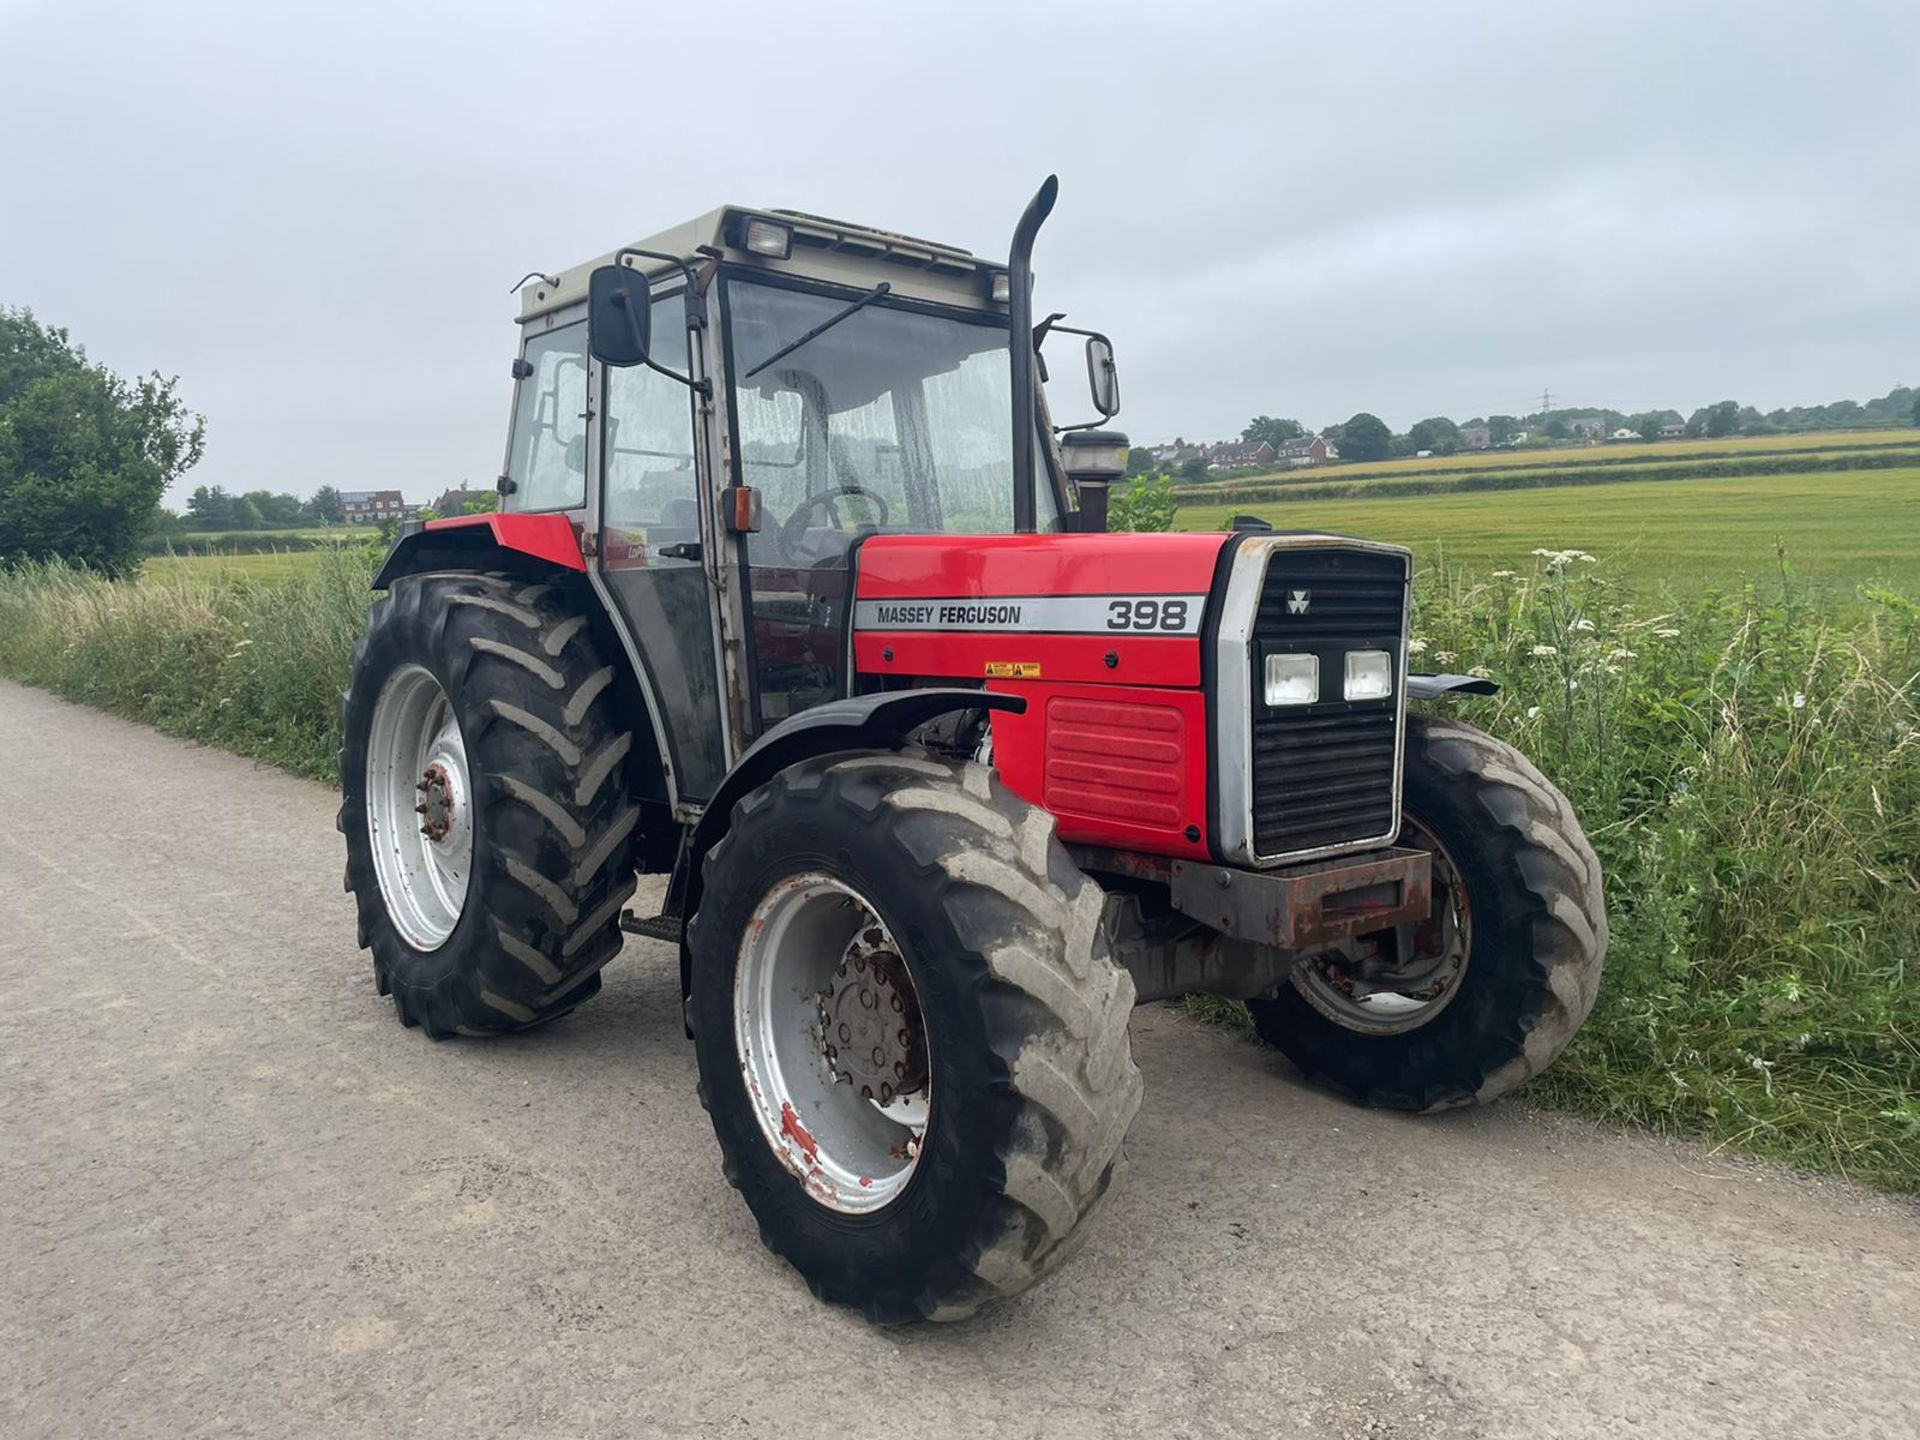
x,y
896,567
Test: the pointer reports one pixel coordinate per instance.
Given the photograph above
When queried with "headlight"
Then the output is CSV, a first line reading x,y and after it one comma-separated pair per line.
x,y
1369,675
1293,679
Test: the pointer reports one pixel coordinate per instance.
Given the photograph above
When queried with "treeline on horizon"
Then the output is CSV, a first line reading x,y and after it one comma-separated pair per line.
x,y
1366,437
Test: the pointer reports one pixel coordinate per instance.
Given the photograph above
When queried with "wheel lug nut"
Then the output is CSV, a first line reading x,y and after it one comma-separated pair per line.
x,y
866,1092
905,1039
879,1056
846,1034
886,1093
899,1069
898,1008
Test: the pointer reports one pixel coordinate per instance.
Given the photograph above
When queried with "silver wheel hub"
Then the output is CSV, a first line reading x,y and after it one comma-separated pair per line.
x,y
832,1042
419,807
1402,991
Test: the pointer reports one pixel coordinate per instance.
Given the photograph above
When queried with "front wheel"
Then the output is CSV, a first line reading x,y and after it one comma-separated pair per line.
x,y
1502,974
911,1038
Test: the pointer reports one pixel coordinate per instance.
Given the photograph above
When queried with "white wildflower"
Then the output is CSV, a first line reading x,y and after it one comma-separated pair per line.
x,y
1416,647
1533,712
1665,634
1480,672
1445,656
1504,574
1621,653
1799,699
1760,1064
1583,624
1546,652
1583,557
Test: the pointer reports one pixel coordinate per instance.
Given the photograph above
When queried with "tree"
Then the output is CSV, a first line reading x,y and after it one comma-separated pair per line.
x,y
1194,471
326,507
210,508
1275,432
1139,460
1915,416
1502,428
1648,427
1146,504
1555,429
1436,433
1720,419
84,454
1365,437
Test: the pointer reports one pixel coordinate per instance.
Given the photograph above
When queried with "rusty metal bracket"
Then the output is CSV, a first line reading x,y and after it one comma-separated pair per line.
x,y
1306,906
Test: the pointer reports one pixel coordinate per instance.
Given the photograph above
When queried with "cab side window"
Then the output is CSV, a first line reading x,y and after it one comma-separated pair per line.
x,y
548,464
649,439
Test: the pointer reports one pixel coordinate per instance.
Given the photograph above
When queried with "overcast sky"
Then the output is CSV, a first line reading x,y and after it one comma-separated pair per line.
x,y
313,214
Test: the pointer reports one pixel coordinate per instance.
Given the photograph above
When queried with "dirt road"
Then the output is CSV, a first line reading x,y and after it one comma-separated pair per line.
x,y
236,1197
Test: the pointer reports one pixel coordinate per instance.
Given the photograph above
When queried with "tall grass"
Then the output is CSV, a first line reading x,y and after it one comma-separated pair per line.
x,y
1749,770
252,665
1746,762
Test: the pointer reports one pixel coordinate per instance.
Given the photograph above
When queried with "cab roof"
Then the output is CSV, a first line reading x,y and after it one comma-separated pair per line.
x,y
830,250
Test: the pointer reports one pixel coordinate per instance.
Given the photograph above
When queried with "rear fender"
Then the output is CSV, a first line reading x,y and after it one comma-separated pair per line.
x,y
520,543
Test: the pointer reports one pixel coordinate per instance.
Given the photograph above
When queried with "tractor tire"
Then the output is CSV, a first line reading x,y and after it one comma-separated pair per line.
x,y
500,687
1030,1081
1530,958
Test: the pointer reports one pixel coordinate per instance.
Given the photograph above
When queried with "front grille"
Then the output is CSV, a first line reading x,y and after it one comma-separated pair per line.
x,y
1324,774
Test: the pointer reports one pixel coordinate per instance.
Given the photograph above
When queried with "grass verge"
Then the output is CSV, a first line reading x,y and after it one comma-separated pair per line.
x,y
1746,761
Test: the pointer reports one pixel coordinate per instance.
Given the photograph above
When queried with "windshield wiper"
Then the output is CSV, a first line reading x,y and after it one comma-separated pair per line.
x,y
883,288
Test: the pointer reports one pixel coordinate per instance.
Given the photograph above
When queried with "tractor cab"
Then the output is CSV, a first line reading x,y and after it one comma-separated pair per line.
x,y
728,410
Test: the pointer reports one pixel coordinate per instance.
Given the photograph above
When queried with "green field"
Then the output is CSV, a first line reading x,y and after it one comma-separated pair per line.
x,y
1841,530
266,565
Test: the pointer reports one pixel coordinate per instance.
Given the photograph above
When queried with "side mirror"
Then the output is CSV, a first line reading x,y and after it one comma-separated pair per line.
x,y
1103,376
619,319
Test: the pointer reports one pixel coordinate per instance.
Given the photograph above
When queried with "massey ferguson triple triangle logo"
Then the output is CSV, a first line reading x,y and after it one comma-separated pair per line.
x,y
1298,600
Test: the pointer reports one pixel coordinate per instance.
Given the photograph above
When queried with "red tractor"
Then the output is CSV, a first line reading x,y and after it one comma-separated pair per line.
x,y
797,596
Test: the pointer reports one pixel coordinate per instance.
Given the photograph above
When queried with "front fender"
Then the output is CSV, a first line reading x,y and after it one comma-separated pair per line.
x,y
1432,687
860,722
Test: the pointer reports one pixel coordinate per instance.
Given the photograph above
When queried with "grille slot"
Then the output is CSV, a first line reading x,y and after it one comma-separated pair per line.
x,y
1324,774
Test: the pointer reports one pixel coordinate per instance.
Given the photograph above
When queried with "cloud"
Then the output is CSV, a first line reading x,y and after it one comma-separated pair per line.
x,y
313,216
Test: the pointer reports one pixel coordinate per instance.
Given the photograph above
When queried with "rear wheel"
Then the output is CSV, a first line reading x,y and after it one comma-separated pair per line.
x,y
912,1040
1500,977
484,803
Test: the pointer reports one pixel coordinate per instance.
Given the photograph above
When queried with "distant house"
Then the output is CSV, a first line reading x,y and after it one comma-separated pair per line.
x,y
369,507
1587,427
1240,455
1672,429
1307,450
1475,437
455,502
1623,433
1172,457
1519,437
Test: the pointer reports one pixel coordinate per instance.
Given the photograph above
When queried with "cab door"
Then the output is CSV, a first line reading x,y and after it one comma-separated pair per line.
x,y
653,524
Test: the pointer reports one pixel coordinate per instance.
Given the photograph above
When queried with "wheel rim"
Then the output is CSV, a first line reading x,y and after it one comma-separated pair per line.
x,y
1404,997
832,1042
419,807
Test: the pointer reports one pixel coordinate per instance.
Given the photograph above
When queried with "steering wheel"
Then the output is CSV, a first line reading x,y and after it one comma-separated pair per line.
x,y
791,527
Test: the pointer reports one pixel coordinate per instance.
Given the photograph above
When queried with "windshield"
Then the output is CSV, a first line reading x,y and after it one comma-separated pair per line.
x,y
893,419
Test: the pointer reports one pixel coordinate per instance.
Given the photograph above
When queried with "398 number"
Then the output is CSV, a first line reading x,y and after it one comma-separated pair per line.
x,y
1146,614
